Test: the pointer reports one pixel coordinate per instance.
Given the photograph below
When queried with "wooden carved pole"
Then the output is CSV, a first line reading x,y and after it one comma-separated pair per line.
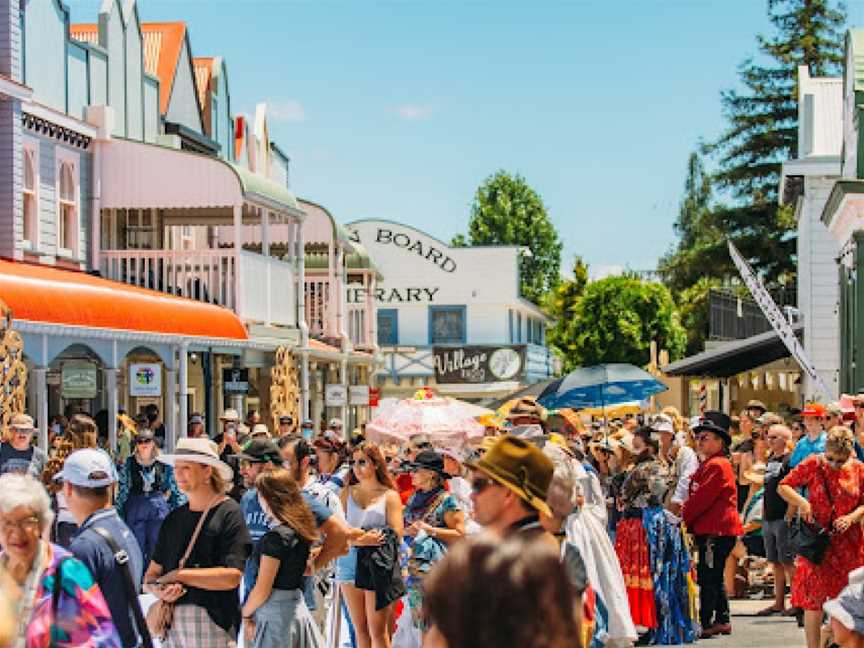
x,y
284,388
13,372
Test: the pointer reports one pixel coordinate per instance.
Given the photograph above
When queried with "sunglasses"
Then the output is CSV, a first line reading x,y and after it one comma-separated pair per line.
x,y
361,463
143,441
479,485
245,463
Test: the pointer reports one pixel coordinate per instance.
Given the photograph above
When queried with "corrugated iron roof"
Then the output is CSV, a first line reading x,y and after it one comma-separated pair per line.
x,y
162,45
86,33
203,74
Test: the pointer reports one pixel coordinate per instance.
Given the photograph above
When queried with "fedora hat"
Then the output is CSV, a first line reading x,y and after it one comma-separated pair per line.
x,y
429,460
230,415
520,466
717,423
203,451
527,407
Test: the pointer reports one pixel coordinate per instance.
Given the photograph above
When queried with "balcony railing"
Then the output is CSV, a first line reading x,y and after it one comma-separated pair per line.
x,y
211,275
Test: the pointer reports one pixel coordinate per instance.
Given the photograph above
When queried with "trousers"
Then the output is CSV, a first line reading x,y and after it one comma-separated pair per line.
x,y
713,601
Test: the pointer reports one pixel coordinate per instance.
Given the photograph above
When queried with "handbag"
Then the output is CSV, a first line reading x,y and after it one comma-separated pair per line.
x,y
161,613
809,539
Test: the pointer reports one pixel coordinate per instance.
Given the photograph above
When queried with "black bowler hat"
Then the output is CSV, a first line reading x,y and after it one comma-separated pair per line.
x,y
429,460
716,422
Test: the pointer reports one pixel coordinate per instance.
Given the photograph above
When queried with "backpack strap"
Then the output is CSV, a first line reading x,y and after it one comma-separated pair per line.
x,y
121,559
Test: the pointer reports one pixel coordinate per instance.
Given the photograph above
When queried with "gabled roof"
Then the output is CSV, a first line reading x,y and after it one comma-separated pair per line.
x,y
203,75
162,45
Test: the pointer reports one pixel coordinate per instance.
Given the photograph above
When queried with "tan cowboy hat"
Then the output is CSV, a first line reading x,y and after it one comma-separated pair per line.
x,y
230,415
520,466
203,451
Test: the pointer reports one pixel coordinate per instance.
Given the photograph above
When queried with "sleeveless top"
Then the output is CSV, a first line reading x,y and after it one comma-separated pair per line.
x,y
373,516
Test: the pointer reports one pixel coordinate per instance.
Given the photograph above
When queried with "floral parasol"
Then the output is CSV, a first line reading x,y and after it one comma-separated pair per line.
x,y
446,421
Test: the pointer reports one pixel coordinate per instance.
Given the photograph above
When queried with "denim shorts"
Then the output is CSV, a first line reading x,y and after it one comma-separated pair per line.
x,y
346,567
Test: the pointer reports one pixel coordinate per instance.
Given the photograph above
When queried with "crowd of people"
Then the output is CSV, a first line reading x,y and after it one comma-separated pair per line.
x,y
547,531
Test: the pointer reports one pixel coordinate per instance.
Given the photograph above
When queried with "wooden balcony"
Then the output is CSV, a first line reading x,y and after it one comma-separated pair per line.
x,y
258,288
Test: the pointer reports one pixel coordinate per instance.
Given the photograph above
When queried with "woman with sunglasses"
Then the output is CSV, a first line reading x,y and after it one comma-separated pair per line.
x,y
372,504
146,492
835,501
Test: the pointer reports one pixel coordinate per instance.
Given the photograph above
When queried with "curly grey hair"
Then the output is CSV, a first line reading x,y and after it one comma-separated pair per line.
x,y
24,490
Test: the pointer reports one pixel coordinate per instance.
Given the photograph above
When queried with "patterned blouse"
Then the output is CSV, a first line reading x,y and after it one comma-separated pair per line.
x,y
646,484
82,617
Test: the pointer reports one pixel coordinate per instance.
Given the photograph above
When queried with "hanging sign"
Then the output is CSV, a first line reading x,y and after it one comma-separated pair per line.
x,y
235,380
335,396
78,380
478,364
374,396
777,319
145,379
358,395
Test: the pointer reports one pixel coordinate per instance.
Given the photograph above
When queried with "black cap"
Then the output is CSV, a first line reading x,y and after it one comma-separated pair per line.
x,y
260,450
144,434
716,422
429,460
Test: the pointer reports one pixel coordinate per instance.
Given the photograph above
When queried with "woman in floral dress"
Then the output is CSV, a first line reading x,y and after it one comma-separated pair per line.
x,y
433,520
835,500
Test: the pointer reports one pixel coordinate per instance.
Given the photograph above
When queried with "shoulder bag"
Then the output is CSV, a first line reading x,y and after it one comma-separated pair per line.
x,y
809,539
121,559
161,613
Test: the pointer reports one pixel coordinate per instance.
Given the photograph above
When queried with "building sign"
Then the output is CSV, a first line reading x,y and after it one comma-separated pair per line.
x,y
374,396
335,396
235,380
478,364
78,379
358,395
427,251
394,295
145,379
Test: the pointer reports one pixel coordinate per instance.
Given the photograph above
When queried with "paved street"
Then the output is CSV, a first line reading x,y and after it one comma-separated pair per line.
x,y
750,631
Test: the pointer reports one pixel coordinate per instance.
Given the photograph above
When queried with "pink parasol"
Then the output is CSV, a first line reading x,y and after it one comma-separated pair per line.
x,y
446,421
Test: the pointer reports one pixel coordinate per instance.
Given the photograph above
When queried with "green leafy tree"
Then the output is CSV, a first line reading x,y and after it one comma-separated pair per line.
x,y
762,131
507,211
616,319
560,304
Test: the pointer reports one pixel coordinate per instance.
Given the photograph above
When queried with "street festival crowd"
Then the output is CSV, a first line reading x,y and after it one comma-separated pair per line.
x,y
550,530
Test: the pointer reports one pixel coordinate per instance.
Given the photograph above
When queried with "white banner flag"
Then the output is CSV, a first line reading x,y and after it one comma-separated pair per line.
x,y
778,320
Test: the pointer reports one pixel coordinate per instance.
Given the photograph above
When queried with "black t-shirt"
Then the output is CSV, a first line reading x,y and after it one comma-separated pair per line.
x,y
228,456
223,542
774,506
31,460
292,551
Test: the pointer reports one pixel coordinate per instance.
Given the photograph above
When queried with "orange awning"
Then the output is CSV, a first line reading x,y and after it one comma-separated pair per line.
x,y
38,293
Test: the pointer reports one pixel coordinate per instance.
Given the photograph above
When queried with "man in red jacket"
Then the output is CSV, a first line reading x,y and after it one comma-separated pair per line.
x,y
711,514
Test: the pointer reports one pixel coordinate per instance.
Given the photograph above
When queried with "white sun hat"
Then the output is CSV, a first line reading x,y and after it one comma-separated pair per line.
x,y
203,451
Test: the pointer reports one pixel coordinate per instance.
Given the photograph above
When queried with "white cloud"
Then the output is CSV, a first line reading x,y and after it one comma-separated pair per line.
x,y
289,110
414,111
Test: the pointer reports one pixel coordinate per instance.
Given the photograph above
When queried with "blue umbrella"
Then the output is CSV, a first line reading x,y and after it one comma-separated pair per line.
x,y
599,386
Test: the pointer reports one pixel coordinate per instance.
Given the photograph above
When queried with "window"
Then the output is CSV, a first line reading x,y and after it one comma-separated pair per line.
x,y
67,204
447,325
519,328
388,327
30,214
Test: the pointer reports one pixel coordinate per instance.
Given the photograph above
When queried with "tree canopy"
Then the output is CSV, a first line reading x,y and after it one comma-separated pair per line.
x,y
507,211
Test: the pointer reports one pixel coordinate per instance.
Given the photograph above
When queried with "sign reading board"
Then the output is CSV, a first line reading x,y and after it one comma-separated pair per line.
x,y
478,364
145,379
78,379
335,395
235,380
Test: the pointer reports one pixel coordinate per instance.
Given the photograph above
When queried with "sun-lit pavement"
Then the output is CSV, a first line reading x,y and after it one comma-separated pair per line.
x,y
750,631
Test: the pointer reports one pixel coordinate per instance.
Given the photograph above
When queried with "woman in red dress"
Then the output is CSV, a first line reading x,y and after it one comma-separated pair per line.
x,y
835,498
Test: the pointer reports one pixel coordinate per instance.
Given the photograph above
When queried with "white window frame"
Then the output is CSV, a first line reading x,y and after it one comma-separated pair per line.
x,y
30,240
68,157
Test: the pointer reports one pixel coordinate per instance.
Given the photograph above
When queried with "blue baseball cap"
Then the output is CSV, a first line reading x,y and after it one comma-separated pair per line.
x,y
89,468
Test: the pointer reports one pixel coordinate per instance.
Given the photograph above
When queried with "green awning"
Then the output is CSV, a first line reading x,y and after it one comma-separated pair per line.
x,y
259,189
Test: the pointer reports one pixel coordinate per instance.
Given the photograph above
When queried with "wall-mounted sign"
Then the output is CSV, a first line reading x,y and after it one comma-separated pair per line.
x,y
391,236
394,295
358,395
335,396
235,380
78,379
145,379
478,364
374,396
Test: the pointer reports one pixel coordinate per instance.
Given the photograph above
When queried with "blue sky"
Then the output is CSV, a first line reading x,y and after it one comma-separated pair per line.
x,y
399,110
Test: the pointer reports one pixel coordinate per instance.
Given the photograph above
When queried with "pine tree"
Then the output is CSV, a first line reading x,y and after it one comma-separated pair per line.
x,y
762,132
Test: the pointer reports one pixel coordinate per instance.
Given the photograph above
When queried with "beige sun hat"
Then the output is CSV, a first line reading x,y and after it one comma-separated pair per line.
x,y
230,415
203,451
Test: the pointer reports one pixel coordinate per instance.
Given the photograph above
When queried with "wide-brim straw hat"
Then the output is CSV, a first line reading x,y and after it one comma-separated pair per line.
x,y
203,451
521,466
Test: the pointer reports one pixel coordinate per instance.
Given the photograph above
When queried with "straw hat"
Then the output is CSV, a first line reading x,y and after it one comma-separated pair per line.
x,y
200,450
520,466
